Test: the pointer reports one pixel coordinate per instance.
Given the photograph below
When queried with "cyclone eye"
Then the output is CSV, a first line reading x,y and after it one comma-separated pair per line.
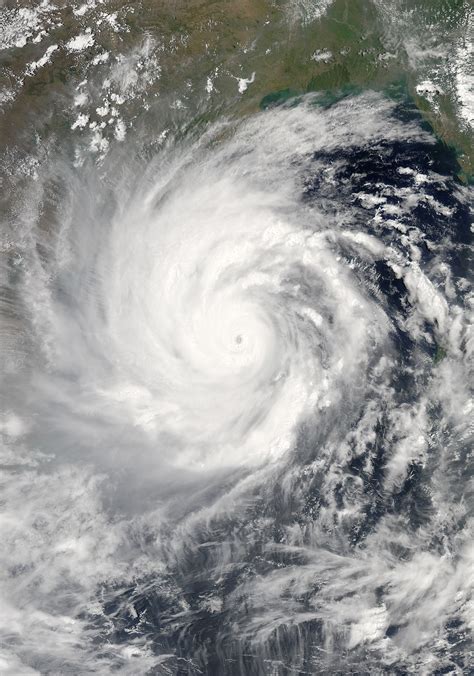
x,y
238,339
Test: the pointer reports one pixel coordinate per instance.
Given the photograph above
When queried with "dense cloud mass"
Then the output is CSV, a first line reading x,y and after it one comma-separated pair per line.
x,y
237,432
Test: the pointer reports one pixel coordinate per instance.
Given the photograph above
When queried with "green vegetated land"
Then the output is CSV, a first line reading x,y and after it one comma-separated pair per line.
x,y
354,45
351,46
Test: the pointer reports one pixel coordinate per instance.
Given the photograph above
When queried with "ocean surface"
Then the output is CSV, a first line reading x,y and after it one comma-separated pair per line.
x,y
236,338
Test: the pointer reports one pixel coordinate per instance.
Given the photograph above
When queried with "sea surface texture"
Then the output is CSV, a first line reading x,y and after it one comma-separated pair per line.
x,y
236,337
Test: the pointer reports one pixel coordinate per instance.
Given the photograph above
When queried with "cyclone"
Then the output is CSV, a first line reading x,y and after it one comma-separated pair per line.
x,y
246,390
227,315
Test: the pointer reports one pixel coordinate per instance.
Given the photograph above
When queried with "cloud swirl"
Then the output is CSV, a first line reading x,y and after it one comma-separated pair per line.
x,y
243,360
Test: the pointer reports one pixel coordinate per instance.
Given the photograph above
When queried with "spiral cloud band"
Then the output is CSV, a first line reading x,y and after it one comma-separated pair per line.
x,y
243,362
